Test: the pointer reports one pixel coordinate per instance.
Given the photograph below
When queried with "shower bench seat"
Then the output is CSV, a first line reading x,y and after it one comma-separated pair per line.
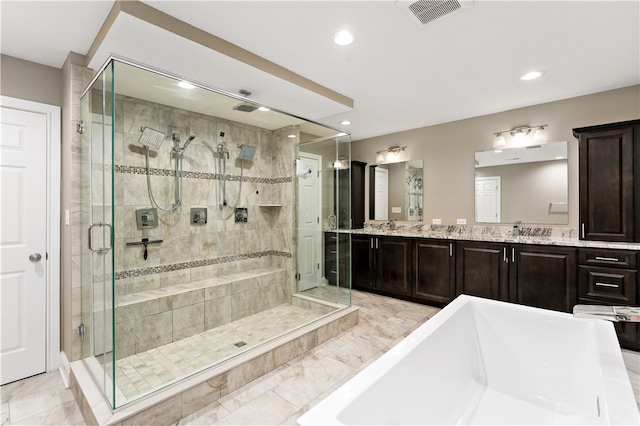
x,y
152,318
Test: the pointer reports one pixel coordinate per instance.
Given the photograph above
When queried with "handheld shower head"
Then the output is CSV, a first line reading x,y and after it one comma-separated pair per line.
x,y
188,141
151,138
247,152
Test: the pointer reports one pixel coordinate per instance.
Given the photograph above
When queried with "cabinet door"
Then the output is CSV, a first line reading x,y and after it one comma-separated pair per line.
x,y
393,265
607,184
543,277
434,271
482,269
362,261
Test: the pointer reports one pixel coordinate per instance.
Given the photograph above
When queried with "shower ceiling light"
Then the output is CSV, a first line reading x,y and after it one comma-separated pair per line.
x,y
186,85
343,38
263,109
531,75
345,122
291,136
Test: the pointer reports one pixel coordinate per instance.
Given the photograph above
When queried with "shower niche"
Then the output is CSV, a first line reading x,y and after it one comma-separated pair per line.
x,y
183,257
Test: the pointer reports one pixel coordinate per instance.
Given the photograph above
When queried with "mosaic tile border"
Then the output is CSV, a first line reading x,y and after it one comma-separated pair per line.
x,y
199,175
197,263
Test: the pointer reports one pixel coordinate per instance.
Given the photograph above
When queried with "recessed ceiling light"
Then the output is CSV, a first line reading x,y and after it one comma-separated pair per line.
x,y
263,109
531,75
186,85
343,38
345,122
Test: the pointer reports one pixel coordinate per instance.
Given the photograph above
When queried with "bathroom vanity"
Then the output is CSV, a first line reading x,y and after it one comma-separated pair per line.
x,y
434,264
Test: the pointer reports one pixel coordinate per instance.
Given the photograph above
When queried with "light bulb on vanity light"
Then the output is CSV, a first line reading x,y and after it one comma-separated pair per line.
x,y
541,135
392,156
499,141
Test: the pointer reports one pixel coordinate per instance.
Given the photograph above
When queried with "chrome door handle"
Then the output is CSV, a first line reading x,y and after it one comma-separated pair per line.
x,y
90,238
35,257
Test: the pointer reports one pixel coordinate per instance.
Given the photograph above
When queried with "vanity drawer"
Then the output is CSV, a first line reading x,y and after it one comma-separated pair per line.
x,y
609,285
609,258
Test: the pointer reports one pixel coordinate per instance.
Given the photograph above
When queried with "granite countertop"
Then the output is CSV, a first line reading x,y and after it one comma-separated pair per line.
x,y
502,234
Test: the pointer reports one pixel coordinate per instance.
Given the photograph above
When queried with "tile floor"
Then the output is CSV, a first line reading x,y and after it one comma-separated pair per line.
x,y
140,373
278,397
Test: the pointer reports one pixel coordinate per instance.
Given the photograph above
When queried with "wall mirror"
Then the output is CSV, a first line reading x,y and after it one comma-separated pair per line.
x,y
528,184
396,191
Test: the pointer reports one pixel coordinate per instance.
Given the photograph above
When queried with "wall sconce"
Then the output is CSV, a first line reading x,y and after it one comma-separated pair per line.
x,y
390,155
519,135
340,164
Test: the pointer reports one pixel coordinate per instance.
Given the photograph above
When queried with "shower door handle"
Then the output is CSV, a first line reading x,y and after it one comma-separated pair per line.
x,y
90,238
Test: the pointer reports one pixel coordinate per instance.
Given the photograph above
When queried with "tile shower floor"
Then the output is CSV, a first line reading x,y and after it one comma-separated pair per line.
x,y
146,371
278,397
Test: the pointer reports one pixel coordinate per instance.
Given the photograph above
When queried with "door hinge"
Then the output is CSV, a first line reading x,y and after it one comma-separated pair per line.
x,y
297,276
318,266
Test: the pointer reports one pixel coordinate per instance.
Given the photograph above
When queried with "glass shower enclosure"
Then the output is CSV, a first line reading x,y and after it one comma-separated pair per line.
x,y
207,221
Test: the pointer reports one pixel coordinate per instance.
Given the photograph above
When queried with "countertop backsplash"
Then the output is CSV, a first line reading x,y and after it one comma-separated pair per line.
x,y
498,233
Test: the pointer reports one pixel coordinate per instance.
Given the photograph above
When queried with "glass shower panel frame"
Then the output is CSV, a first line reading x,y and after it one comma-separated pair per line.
x,y
98,219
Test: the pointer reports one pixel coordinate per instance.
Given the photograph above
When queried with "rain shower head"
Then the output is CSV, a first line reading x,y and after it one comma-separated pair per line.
x,y
247,152
151,138
245,107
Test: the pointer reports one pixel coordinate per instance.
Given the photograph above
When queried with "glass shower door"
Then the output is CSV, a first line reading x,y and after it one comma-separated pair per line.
x,y
98,217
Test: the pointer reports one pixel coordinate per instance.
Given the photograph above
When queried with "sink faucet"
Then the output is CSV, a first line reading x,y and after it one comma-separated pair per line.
x,y
392,225
610,313
516,228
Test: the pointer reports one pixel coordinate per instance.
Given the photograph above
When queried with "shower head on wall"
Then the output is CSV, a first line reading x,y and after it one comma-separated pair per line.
x,y
247,152
151,138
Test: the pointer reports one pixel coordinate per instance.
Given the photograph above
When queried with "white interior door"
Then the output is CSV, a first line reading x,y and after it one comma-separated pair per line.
x,y
488,199
309,227
23,243
382,194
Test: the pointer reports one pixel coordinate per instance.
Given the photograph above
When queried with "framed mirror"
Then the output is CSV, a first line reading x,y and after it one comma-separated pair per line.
x,y
396,191
527,184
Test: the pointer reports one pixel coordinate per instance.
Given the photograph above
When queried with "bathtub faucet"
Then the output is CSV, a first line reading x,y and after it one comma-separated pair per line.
x,y
610,313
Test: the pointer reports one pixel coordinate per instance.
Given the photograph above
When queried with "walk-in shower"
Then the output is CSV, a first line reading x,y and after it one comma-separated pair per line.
x,y
212,289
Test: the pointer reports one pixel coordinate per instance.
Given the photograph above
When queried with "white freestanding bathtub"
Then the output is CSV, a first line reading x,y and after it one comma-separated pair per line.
x,y
480,361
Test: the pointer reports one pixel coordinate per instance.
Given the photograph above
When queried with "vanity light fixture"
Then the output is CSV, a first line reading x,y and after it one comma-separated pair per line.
x,y
519,134
390,154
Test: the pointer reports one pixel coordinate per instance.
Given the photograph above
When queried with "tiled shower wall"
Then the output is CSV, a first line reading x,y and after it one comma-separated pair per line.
x,y
189,252
193,252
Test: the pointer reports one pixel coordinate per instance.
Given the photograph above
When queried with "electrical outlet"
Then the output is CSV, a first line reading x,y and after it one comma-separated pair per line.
x,y
461,221
436,221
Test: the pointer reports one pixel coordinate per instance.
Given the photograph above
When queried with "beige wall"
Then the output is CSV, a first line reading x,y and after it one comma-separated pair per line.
x,y
448,149
31,81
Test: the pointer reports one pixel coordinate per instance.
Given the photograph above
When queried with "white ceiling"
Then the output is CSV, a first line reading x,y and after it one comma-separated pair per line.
x,y
399,76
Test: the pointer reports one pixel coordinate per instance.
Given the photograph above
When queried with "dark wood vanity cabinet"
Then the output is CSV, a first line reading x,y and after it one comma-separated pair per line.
x,y
336,258
609,179
543,276
381,263
434,271
610,277
350,196
482,269
362,262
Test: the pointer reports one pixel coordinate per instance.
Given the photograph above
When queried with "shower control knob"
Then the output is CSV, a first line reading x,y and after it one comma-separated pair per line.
x,y
35,257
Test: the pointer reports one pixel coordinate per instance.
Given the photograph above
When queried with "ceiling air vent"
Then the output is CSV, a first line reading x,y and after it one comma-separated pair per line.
x,y
423,12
